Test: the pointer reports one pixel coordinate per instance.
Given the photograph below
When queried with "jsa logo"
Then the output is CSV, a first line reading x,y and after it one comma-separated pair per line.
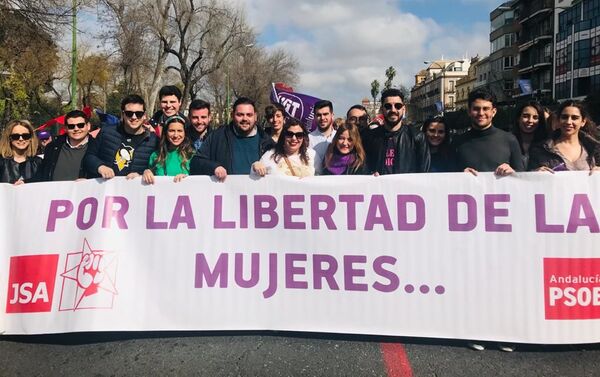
x,y
31,283
24,293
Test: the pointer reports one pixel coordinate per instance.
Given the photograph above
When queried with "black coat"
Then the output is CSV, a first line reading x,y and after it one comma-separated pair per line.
x,y
103,150
51,153
11,171
412,151
542,154
217,150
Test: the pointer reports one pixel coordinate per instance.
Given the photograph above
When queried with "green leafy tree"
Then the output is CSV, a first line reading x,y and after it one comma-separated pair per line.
x,y
390,74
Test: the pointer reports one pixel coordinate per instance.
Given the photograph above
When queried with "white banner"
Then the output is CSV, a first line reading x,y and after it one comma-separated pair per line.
x,y
424,255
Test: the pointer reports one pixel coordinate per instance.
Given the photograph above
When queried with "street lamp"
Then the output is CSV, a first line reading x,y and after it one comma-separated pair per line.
x,y
443,71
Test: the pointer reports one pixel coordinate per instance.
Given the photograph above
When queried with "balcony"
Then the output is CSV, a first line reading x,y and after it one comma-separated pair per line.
x,y
526,41
535,8
531,65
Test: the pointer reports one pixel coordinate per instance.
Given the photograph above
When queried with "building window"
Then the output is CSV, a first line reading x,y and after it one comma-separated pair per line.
x,y
582,54
508,62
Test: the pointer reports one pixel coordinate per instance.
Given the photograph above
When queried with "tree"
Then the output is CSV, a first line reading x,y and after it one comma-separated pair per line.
x,y
390,73
374,93
28,59
250,72
93,75
134,32
201,35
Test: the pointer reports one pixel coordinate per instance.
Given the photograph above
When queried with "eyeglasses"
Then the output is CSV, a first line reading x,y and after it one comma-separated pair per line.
x,y
15,137
130,114
78,125
397,105
290,134
360,119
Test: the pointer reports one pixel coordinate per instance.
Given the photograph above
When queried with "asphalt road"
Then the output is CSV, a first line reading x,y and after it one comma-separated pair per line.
x,y
279,354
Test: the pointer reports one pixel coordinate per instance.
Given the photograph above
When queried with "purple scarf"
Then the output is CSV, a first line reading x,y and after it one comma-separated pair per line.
x,y
340,162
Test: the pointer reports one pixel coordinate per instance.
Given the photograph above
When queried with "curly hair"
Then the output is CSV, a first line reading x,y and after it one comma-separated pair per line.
x,y
279,149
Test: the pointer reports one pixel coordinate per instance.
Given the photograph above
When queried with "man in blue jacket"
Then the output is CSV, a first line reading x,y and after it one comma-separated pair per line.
x,y
233,148
123,150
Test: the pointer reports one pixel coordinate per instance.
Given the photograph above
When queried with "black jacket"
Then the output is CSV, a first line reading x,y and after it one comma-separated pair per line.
x,y
412,151
11,171
106,145
51,153
542,154
217,150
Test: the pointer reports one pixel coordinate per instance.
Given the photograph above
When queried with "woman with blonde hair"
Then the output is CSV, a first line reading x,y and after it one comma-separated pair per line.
x,y
345,155
18,147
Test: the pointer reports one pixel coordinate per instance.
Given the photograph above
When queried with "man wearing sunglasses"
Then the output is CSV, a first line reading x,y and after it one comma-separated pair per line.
x,y
395,148
232,148
64,155
357,115
123,150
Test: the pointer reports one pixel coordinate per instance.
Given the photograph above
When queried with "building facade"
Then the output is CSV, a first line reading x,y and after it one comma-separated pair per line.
x,y
504,52
435,88
535,41
577,49
465,85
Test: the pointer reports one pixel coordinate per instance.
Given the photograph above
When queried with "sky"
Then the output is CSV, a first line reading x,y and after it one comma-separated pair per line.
x,y
343,45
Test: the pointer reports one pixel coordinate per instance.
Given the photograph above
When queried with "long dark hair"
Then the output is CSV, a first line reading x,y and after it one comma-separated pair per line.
x,y
587,128
358,151
279,149
185,149
446,142
541,131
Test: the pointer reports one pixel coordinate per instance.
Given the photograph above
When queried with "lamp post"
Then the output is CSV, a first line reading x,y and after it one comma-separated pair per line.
x,y
443,71
74,59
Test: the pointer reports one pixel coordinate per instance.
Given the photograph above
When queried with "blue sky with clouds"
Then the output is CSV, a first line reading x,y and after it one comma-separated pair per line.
x,y
343,45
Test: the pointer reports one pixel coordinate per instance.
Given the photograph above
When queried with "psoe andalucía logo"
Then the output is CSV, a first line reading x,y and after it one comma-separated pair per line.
x,y
89,279
572,288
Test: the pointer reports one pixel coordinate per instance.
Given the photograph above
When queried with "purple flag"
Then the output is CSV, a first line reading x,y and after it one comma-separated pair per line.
x,y
296,105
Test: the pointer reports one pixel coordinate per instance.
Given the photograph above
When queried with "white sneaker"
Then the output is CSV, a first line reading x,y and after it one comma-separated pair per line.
x,y
506,347
476,346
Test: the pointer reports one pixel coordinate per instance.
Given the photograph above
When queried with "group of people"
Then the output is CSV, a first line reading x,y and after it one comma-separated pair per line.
x,y
173,144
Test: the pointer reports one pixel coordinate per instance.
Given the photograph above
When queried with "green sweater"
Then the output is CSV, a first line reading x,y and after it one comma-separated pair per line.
x,y
172,165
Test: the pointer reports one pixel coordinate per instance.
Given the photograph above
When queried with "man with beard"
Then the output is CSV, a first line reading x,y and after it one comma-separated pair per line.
x,y
323,135
233,148
486,148
199,114
357,115
395,148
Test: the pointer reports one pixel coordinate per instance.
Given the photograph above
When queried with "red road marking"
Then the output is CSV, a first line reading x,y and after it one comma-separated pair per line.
x,y
396,360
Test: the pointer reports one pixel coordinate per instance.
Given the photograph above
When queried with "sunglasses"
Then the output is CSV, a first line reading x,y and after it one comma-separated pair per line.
x,y
290,134
16,137
130,114
361,119
78,125
397,105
